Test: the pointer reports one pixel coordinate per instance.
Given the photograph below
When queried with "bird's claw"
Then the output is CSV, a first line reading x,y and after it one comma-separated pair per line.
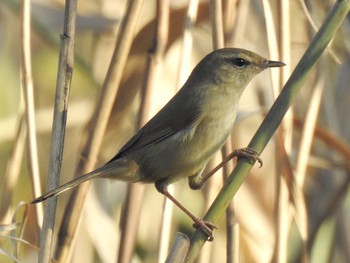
x,y
250,154
206,227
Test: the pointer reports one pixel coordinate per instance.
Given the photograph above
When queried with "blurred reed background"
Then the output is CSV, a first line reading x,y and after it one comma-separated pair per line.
x,y
293,209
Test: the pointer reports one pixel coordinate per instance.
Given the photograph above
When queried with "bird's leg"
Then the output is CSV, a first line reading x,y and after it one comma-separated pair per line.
x,y
205,226
196,182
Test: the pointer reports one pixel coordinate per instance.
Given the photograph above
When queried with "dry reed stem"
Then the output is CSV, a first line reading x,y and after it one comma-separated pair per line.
x,y
326,175
133,204
217,26
185,54
63,84
28,92
99,121
13,170
179,249
282,215
187,42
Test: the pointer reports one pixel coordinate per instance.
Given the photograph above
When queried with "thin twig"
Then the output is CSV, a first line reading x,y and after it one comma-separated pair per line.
x,y
229,20
27,86
272,44
283,142
187,42
305,148
315,28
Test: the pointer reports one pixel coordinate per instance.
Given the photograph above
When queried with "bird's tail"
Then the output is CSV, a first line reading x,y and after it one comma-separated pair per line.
x,y
119,169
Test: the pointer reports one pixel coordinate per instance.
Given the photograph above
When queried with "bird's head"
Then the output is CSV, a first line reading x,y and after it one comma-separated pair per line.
x,y
232,66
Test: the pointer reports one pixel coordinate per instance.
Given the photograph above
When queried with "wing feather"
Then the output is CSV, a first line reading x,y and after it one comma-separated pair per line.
x,y
178,115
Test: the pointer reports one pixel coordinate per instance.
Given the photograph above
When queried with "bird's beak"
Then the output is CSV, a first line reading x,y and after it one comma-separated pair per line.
x,y
272,64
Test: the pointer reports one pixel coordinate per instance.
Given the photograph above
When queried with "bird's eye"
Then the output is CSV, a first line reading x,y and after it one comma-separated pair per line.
x,y
239,62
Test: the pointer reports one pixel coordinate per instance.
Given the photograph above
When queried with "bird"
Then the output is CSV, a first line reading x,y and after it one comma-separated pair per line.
x,y
181,138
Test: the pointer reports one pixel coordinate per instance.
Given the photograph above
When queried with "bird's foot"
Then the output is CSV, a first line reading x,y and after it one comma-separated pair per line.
x,y
206,227
250,154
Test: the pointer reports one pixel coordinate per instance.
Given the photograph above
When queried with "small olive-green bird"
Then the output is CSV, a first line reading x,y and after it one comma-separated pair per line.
x,y
180,139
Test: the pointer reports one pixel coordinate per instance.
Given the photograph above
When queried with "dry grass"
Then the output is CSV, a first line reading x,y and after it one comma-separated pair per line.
x,y
294,209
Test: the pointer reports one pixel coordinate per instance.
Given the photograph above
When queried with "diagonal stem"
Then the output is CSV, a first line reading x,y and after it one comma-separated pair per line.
x,y
273,119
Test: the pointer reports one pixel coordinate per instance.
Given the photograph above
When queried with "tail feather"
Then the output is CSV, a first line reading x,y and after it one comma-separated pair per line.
x,y
119,169
71,184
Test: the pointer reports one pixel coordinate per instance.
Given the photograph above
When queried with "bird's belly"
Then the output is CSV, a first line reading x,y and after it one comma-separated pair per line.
x,y
186,153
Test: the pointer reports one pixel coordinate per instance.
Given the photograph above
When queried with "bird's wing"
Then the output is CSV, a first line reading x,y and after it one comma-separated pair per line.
x,y
173,118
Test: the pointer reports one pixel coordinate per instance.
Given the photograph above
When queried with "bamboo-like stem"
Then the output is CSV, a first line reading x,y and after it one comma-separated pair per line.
x,y
73,211
232,227
63,83
273,119
179,249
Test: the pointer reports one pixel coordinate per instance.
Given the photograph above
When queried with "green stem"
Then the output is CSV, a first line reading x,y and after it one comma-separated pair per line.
x,y
272,120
